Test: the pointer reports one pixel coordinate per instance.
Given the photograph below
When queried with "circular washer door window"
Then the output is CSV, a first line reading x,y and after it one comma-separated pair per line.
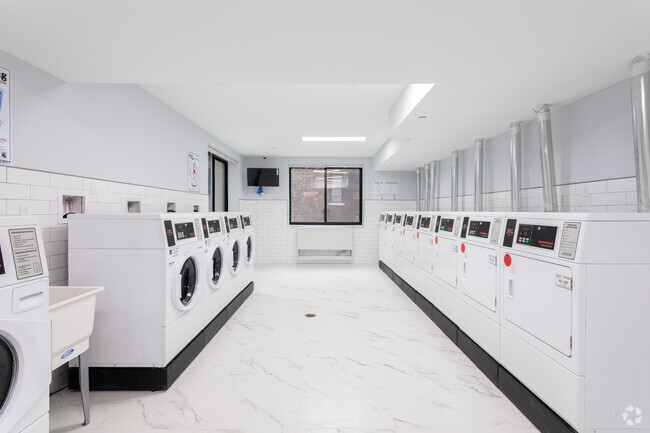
x,y
235,256
188,281
217,265
7,371
249,248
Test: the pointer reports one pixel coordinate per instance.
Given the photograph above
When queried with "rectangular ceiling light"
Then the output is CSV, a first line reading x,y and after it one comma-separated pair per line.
x,y
332,139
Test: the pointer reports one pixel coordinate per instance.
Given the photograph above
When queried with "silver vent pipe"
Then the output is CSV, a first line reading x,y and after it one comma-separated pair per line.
x,y
454,181
515,166
427,186
433,172
543,113
418,188
640,91
478,175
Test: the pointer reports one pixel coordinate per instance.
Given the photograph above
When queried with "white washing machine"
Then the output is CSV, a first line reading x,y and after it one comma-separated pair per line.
x,y
575,322
152,268
478,279
398,243
409,248
425,258
25,328
220,289
447,232
386,247
248,239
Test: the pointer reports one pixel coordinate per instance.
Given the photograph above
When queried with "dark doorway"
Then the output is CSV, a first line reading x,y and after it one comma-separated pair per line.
x,y
219,185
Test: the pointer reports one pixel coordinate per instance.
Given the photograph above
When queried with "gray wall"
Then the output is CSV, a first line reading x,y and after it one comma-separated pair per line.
x,y
592,140
116,132
405,179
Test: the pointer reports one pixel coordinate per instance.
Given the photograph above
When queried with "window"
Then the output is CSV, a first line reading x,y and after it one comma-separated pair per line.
x,y
328,195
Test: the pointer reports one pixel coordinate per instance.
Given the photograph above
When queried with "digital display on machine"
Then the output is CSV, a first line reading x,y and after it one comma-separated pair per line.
x,y
247,221
389,218
425,222
479,229
409,220
184,230
398,219
382,217
214,226
169,232
510,233
537,236
437,224
447,225
233,223
463,232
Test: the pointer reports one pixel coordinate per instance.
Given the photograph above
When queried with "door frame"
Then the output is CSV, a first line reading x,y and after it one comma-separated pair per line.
x,y
214,158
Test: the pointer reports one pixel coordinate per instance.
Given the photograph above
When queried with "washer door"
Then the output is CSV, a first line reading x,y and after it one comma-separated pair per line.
x,y
217,266
235,256
7,372
249,249
188,281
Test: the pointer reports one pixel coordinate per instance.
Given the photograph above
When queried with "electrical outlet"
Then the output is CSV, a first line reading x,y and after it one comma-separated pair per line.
x,y
24,210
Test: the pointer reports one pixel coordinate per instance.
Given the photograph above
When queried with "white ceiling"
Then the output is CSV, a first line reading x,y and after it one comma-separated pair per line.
x,y
491,62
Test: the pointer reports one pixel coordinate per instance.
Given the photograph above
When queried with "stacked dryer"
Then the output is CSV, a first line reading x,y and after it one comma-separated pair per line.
x,y
25,331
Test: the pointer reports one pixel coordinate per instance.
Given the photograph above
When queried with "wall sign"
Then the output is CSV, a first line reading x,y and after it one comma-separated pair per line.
x,y
193,184
391,191
379,190
5,117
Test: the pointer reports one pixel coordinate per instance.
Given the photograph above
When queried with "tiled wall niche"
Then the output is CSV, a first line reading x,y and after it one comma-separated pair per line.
x,y
36,193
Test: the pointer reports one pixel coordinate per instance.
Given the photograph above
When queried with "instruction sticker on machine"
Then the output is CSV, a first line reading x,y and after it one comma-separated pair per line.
x,y
27,257
569,240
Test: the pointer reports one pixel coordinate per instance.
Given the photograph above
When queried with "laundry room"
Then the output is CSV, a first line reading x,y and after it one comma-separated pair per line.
x,y
308,217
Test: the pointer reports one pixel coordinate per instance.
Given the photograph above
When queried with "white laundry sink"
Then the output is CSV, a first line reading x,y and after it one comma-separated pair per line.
x,y
72,311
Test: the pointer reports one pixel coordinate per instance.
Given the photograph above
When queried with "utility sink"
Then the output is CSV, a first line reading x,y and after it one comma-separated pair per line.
x,y
72,312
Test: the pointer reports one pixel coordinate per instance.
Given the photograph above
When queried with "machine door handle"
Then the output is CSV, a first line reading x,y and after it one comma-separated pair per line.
x,y
510,288
464,269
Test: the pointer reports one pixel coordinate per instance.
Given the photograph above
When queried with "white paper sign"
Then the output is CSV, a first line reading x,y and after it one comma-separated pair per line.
x,y
5,117
391,191
379,191
193,183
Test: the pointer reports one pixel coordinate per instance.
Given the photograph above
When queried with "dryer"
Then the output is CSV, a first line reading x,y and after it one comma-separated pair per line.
x,y
575,323
478,279
25,329
447,231
152,268
235,243
425,258
248,238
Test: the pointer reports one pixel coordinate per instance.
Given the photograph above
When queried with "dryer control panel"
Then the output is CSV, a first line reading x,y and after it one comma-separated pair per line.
x,y
214,226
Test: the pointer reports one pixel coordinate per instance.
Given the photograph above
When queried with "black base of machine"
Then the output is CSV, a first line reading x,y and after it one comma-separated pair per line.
x,y
537,412
153,378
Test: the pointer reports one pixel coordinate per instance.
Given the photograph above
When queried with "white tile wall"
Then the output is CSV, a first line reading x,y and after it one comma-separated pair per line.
x,y
36,193
276,240
615,195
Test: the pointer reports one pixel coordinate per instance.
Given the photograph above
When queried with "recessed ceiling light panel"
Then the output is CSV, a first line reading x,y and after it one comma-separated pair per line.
x,y
333,139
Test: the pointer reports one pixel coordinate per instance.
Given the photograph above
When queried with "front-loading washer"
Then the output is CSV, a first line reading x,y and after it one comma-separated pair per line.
x,y
25,330
152,268
248,238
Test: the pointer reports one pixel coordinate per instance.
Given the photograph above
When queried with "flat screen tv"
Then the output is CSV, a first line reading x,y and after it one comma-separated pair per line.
x,y
263,177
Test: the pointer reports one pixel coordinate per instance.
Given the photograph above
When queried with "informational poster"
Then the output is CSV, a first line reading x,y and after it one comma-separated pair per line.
x,y
391,190
5,117
379,191
193,184
27,257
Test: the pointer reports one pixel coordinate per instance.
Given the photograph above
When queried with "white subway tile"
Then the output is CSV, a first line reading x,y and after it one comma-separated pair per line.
x,y
87,184
58,276
121,188
14,191
3,174
108,197
54,248
622,208
617,185
631,198
100,186
42,193
3,207
64,181
58,261
608,199
27,177
58,234
597,187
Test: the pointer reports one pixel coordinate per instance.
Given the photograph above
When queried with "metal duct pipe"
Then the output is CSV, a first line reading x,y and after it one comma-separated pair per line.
x,y
515,166
640,91
427,185
478,175
454,181
418,188
543,113
433,169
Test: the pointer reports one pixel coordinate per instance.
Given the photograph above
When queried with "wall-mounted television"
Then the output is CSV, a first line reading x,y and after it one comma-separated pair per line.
x,y
263,176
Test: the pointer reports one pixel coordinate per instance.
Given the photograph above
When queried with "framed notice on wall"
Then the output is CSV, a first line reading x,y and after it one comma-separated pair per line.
x,y
5,117
193,184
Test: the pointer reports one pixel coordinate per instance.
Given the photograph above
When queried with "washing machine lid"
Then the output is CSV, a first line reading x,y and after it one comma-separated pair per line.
x,y
7,372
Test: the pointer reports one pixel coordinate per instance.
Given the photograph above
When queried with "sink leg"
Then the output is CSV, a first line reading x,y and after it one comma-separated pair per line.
x,y
84,387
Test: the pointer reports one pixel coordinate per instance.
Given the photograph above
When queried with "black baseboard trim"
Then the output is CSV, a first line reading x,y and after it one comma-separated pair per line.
x,y
542,416
537,412
154,378
488,365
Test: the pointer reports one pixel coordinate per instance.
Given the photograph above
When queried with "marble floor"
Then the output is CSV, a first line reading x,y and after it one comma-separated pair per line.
x,y
370,361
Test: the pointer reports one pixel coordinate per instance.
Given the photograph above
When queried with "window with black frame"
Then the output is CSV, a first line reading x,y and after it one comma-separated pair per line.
x,y
325,196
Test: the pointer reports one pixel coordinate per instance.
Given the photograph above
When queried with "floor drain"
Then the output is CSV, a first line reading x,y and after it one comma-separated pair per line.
x,y
310,315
